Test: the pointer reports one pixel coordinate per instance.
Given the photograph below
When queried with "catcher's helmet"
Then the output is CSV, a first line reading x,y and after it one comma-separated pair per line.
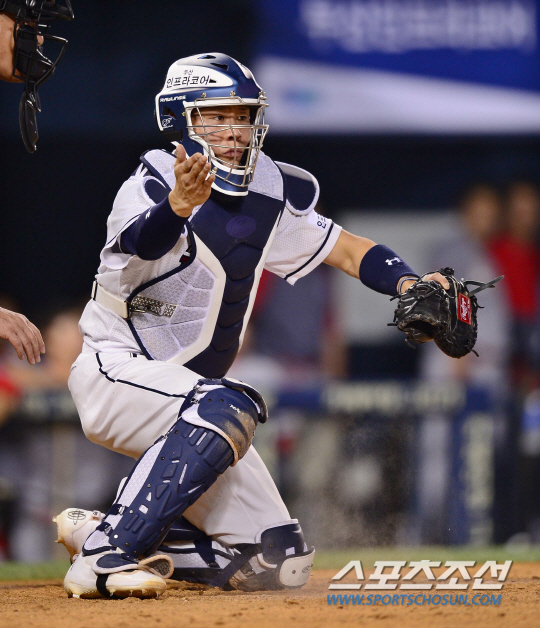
x,y
33,19
210,80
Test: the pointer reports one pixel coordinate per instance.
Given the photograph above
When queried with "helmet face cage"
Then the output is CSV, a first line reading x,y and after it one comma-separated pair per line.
x,y
211,80
33,19
240,174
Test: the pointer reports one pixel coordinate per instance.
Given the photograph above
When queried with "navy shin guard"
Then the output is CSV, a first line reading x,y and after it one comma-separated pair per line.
x,y
184,469
215,429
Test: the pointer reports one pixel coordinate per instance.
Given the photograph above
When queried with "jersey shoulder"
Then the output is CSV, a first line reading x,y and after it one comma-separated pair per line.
x,y
159,164
301,188
153,177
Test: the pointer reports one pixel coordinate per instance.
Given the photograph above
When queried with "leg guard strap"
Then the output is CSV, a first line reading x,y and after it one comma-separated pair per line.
x,y
282,560
101,586
279,559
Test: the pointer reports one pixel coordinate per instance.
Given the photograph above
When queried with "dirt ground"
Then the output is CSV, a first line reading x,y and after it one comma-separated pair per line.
x,y
44,604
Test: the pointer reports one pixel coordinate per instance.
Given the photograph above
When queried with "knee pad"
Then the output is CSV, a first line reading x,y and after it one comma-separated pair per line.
x,y
228,407
215,428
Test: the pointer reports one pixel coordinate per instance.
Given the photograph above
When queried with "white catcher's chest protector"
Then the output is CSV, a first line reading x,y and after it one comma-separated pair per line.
x,y
208,295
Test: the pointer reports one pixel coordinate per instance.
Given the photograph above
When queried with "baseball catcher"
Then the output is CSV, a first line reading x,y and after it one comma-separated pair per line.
x,y
188,237
429,311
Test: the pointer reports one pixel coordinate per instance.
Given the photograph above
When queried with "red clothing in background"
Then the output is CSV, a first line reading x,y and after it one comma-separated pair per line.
x,y
7,386
519,262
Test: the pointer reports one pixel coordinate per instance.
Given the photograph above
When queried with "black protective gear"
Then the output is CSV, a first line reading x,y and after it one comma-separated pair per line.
x,y
33,19
427,311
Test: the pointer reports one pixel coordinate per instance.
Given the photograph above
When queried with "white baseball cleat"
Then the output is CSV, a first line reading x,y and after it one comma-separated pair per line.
x,y
114,574
74,526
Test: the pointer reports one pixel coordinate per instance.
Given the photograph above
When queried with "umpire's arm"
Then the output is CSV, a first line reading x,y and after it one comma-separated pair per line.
x,y
22,334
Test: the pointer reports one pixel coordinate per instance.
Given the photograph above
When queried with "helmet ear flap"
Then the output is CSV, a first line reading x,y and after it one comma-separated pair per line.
x,y
172,135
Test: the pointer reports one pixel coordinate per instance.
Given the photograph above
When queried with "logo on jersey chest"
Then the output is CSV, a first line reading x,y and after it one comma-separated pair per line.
x,y
241,226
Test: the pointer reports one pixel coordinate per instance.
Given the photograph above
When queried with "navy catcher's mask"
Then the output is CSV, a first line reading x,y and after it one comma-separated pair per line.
x,y
213,80
33,19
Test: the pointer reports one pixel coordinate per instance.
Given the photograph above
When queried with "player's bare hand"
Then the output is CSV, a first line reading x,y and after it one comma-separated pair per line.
x,y
432,276
438,277
193,182
23,335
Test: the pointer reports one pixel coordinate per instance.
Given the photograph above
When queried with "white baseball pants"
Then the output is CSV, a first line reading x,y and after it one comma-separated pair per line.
x,y
127,402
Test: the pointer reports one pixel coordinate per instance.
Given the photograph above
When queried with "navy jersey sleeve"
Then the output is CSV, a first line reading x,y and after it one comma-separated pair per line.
x,y
154,233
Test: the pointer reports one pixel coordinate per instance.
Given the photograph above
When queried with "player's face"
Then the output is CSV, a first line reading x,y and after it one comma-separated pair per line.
x,y
229,142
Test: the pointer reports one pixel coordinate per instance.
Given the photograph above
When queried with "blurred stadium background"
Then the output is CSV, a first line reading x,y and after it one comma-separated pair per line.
x,y
421,120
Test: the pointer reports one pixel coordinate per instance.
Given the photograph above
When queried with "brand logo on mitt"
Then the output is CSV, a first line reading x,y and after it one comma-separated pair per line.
x,y
464,309
76,516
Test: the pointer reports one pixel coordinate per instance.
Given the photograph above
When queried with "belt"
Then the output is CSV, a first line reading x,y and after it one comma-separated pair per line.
x,y
125,309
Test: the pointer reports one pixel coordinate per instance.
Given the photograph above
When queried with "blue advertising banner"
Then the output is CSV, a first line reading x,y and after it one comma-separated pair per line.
x,y
438,66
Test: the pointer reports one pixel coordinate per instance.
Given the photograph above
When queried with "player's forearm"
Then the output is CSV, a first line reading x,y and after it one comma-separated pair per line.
x,y
154,233
382,270
348,253
376,265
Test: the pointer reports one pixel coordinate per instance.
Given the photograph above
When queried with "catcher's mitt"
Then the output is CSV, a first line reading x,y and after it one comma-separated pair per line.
x,y
427,311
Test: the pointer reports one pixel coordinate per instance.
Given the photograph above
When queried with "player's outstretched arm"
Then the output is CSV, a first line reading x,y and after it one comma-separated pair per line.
x,y
377,266
348,253
193,185
23,335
